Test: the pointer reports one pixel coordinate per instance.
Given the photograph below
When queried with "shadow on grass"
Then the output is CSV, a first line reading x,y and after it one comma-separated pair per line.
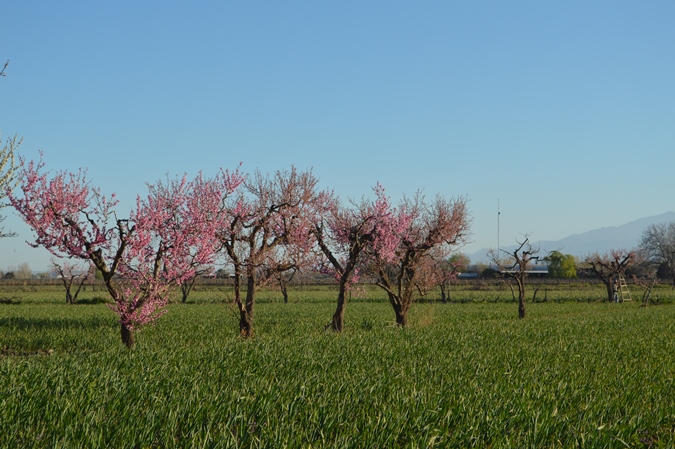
x,y
22,323
94,300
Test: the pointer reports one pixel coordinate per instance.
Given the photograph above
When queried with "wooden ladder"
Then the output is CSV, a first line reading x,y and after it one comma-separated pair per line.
x,y
623,289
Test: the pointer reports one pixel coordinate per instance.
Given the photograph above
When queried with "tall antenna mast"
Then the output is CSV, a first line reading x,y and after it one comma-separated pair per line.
x,y
498,214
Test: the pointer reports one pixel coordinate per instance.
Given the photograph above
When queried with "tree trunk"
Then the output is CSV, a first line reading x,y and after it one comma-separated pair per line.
x,y
245,324
66,285
401,316
521,299
646,296
77,292
338,322
284,284
127,336
186,288
444,297
185,291
284,291
246,310
237,288
610,289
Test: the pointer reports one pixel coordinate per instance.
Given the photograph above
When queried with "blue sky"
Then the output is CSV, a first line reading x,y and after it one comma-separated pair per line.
x,y
564,112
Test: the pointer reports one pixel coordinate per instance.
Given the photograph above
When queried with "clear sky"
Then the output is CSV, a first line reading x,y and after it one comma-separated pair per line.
x,y
563,111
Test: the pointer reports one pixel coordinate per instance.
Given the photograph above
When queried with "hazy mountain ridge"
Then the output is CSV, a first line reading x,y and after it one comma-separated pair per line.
x,y
624,236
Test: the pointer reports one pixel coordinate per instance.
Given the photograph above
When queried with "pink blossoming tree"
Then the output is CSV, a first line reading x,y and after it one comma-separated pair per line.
x,y
344,234
139,257
267,220
420,232
446,271
438,271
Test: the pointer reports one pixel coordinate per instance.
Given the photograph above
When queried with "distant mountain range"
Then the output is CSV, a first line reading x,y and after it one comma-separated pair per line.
x,y
612,237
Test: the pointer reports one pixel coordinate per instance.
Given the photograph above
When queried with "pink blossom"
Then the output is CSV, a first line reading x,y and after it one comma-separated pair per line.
x,y
170,233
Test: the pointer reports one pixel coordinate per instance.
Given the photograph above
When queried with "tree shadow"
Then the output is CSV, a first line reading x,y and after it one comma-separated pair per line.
x,y
93,301
39,324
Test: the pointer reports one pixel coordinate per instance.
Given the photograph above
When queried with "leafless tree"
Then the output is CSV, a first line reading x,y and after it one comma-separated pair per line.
x,y
187,286
516,266
280,279
644,274
647,282
72,275
22,271
658,245
8,179
607,267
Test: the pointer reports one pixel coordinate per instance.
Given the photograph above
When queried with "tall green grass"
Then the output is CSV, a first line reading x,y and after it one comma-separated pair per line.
x,y
462,375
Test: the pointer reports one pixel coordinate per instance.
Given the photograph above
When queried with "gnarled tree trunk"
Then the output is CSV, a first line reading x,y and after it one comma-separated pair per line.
x,y
127,336
284,292
610,289
401,315
245,323
246,310
521,297
338,322
186,288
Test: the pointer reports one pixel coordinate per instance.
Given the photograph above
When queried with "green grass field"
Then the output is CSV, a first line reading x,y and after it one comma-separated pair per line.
x,y
465,374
